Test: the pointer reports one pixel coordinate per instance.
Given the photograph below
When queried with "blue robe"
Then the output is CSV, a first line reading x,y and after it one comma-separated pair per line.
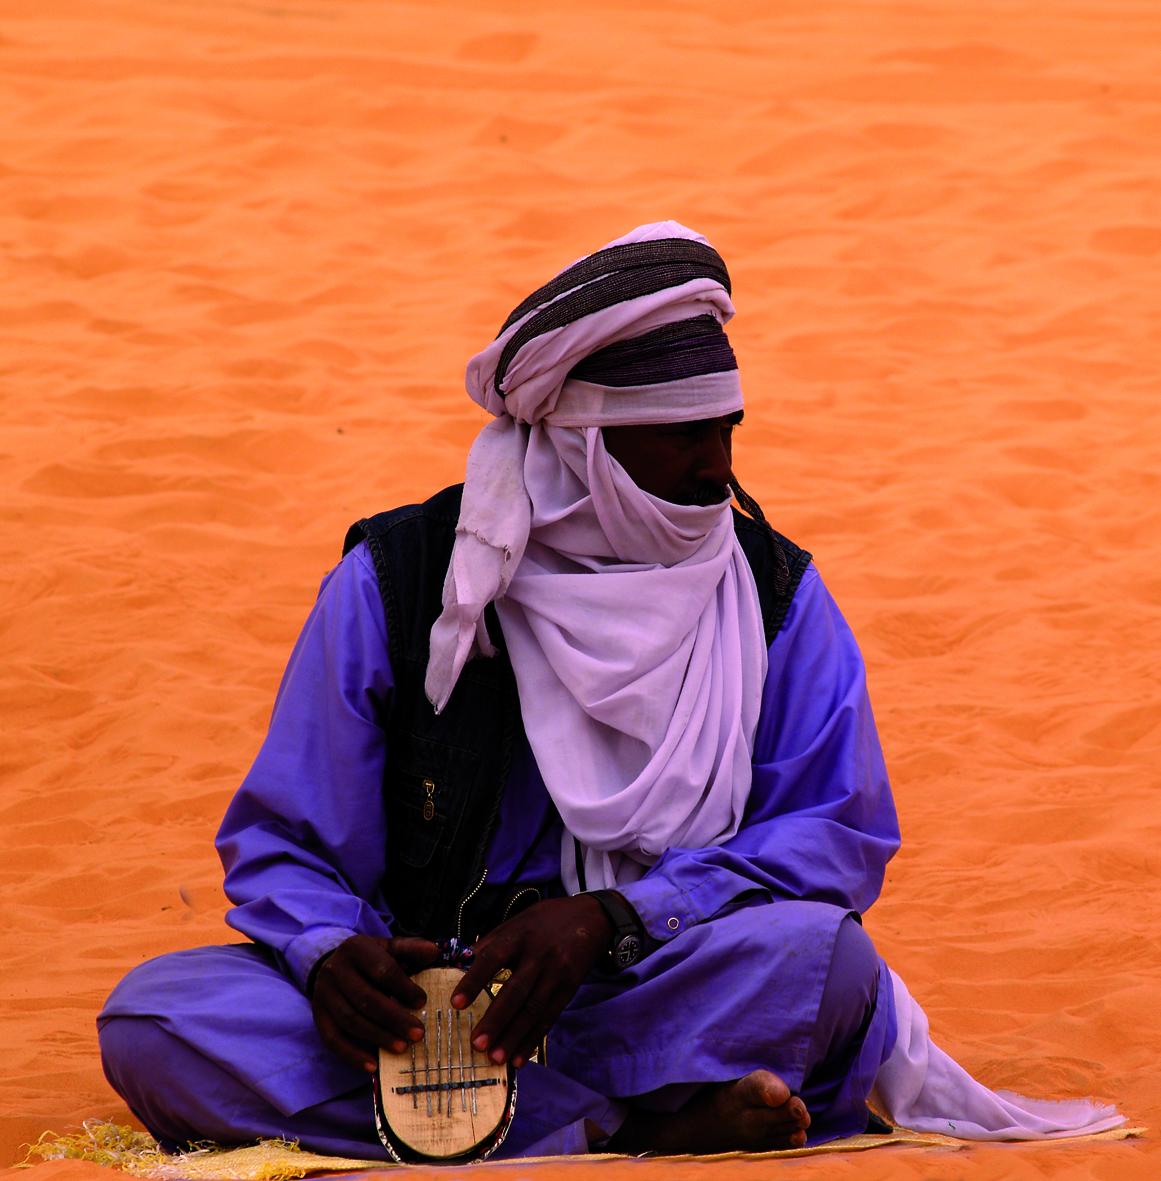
x,y
758,963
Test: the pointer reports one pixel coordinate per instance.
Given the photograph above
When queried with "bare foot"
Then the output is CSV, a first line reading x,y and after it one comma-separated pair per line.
x,y
756,1113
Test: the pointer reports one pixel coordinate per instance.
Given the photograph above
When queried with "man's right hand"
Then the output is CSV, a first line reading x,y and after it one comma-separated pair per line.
x,y
364,999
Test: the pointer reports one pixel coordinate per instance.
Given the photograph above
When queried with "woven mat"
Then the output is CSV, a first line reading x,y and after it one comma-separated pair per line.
x,y
134,1152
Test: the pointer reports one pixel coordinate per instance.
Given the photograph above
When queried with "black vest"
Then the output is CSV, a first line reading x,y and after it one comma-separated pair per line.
x,y
446,774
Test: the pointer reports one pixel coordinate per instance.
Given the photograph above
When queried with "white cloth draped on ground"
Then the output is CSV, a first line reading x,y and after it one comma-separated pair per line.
x,y
922,1088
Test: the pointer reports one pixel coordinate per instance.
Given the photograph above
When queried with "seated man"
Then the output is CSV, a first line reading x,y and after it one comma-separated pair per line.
x,y
582,713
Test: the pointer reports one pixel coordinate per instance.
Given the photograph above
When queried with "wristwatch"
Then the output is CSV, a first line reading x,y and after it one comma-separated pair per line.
x,y
628,943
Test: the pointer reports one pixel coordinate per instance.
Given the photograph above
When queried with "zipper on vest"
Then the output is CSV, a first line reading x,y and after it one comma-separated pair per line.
x,y
465,900
510,722
429,802
516,898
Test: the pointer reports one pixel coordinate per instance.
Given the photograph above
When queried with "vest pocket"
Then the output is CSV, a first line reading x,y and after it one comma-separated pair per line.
x,y
426,787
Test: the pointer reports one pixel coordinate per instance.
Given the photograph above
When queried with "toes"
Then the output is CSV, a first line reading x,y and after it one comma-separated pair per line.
x,y
765,1130
758,1113
763,1088
798,1112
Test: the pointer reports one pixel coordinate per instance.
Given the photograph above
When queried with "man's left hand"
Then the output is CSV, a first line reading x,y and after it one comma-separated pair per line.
x,y
549,949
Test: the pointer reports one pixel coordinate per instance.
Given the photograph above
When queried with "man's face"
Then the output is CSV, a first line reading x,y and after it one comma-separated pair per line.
x,y
682,462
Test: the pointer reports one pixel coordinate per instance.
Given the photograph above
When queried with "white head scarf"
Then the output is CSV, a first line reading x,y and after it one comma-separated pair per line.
x,y
632,623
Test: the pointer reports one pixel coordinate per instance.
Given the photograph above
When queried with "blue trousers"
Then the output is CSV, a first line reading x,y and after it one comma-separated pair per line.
x,y
217,1043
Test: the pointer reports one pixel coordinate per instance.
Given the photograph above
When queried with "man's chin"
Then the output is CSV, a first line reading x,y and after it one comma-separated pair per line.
x,y
710,497
697,498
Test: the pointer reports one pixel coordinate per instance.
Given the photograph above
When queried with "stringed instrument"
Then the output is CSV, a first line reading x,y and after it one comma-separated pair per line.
x,y
442,1099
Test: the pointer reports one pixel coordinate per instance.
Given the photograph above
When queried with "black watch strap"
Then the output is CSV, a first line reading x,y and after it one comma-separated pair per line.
x,y
628,942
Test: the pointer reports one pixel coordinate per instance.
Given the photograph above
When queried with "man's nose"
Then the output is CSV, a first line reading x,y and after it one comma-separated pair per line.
x,y
715,459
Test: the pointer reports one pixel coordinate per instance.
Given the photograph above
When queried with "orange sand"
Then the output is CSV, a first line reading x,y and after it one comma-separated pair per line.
x,y
248,248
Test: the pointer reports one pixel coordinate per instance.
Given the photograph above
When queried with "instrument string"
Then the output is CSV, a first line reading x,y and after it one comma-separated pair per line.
x,y
450,1073
460,1048
439,1060
472,1062
426,1062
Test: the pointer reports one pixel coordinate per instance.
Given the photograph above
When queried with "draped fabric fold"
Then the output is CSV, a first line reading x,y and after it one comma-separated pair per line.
x,y
923,1088
488,548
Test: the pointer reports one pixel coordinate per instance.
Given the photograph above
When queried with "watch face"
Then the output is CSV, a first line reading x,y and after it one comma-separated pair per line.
x,y
627,951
